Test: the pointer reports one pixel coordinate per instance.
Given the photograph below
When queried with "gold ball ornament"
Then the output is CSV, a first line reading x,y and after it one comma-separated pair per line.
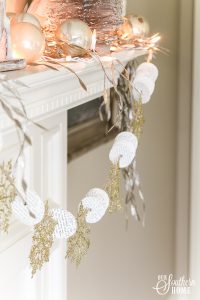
x,y
27,41
134,26
77,35
25,17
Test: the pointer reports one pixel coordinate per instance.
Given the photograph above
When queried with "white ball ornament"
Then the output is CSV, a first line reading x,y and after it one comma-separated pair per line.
x,y
67,224
77,35
27,41
135,26
30,214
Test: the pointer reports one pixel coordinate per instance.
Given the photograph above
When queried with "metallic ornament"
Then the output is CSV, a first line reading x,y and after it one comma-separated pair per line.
x,y
66,223
27,42
25,17
76,34
134,26
79,243
97,202
31,212
42,241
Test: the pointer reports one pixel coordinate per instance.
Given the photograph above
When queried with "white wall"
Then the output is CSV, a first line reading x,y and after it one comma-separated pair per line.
x,y
125,265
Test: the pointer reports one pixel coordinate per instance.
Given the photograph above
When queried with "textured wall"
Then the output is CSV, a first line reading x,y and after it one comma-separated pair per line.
x,y
125,265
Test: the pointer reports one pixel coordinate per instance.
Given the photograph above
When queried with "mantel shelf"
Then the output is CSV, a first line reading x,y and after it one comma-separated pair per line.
x,y
49,91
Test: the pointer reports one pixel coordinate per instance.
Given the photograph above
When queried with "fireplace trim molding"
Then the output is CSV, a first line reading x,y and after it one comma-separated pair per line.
x,y
49,91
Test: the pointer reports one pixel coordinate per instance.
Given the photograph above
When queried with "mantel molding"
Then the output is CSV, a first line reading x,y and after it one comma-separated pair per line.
x,y
49,91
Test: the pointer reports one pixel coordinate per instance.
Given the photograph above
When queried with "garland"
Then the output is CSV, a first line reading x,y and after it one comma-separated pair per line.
x,y
133,90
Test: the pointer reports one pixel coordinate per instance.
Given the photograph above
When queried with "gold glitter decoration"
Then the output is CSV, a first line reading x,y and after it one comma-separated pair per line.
x,y
7,195
113,189
79,243
42,241
139,120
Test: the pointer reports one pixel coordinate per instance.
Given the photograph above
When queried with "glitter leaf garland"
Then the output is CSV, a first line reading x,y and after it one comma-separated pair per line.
x,y
7,195
138,122
113,189
42,241
79,243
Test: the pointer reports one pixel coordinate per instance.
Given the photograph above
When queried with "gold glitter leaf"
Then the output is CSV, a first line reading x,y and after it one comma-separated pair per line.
x,y
42,241
113,189
79,243
139,120
7,195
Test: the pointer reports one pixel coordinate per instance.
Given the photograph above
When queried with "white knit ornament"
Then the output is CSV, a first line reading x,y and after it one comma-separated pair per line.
x,y
97,202
31,213
67,224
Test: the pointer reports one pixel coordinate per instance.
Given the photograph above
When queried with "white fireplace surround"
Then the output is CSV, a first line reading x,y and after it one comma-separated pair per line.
x,y
47,97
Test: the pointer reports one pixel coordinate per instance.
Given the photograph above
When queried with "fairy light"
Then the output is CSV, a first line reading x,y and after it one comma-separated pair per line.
x,y
94,40
68,58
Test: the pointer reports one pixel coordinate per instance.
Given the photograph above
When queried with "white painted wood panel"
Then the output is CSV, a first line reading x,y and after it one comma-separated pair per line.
x,y
46,173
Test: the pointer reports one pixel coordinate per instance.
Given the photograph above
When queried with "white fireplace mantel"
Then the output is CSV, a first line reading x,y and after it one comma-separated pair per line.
x,y
47,97
49,91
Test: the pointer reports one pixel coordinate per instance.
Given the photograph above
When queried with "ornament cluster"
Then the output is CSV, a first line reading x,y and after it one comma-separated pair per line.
x,y
58,29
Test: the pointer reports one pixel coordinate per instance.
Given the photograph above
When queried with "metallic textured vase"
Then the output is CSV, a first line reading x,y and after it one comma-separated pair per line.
x,y
105,16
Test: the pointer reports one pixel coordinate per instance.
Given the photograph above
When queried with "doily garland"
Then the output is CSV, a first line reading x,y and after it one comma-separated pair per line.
x,y
134,89
51,224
